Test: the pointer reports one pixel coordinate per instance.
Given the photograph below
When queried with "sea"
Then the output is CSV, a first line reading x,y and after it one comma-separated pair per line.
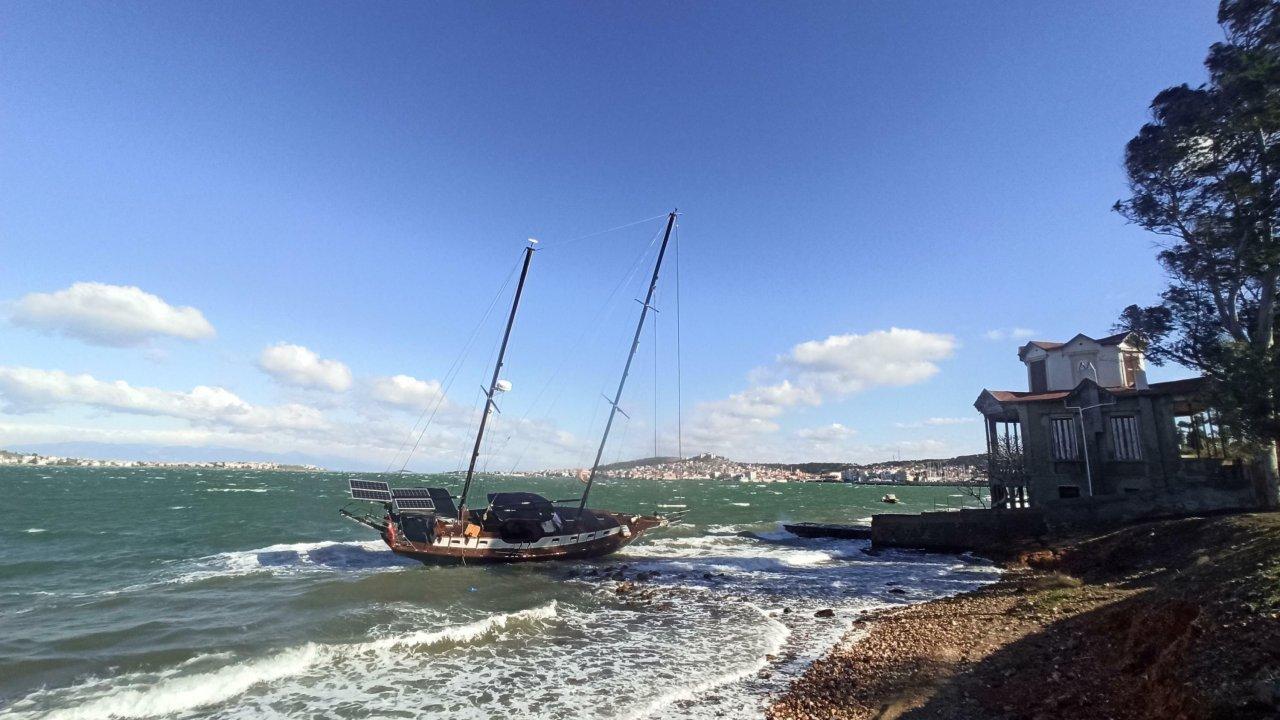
x,y
180,593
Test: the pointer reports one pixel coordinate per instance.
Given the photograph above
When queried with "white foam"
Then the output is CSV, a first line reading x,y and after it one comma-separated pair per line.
x,y
236,489
289,558
777,635
459,633
36,530
147,695
132,696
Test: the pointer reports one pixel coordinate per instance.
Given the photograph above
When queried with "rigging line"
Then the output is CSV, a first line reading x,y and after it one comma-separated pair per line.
x,y
591,328
679,378
450,375
474,416
595,322
489,407
655,385
562,243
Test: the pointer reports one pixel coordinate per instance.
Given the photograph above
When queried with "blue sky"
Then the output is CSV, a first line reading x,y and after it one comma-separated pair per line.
x,y
356,181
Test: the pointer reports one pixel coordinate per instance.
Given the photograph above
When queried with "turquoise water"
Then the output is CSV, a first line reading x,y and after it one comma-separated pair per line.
x,y
227,594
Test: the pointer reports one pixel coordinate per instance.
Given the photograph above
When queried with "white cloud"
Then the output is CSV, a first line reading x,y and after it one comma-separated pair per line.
x,y
1017,333
812,373
113,315
844,364
826,433
217,417
29,389
938,421
406,391
296,365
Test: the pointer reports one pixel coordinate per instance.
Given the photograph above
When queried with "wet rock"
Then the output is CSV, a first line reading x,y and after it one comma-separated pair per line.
x,y
897,591
786,610
708,576
624,588
825,613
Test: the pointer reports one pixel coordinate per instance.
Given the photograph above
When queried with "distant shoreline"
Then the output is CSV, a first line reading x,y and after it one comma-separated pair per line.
x,y
13,459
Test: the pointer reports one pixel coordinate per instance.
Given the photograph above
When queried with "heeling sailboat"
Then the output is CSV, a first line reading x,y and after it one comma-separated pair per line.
x,y
427,525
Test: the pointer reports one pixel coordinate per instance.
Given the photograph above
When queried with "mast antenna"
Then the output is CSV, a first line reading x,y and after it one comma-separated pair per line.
x,y
489,405
635,343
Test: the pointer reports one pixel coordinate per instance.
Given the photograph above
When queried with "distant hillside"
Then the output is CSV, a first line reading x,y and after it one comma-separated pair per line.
x,y
628,464
959,460
813,468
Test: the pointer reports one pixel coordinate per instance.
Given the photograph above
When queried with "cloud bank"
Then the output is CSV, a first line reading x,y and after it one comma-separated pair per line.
x,y
812,373
110,315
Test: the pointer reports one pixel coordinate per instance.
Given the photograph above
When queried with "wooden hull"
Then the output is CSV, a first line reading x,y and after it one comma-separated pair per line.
x,y
455,548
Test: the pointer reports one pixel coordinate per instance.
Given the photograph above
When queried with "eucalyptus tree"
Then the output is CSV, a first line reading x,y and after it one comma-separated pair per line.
x,y
1204,173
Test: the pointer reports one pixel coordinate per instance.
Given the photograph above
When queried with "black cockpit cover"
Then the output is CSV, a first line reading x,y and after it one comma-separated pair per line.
x,y
443,502
520,506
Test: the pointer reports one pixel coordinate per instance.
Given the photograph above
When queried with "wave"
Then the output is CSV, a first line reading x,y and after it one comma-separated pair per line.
x,y
299,557
459,634
235,489
36,530
734,552
132,696
777,638
146,695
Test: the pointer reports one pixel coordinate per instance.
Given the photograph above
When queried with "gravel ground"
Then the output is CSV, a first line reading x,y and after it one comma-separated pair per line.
x,y
1177,619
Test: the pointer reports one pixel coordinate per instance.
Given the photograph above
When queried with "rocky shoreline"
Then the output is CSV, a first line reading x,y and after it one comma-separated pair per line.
x,y
1174,619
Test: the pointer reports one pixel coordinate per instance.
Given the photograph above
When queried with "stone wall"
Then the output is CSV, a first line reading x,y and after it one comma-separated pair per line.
x,y
993,531
958,531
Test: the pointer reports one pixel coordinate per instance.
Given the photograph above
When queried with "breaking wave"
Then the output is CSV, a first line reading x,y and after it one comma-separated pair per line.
x,y
298,557
170,691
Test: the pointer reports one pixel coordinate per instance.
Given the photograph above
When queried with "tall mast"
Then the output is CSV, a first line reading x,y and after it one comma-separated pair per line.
x,y
635,343
489,405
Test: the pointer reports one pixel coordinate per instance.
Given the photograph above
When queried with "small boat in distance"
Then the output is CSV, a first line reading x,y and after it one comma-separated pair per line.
x,y
890,498
427,525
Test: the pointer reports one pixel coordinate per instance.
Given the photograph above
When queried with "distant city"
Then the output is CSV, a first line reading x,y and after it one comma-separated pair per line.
x,y
962,470
15,458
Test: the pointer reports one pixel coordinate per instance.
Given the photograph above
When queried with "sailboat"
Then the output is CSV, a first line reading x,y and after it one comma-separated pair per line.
x,y
432,525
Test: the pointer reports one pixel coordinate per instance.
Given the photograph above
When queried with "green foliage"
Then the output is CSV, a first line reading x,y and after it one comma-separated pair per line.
x,y
1205,174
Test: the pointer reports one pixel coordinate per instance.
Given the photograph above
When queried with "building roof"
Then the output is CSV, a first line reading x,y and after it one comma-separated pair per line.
x,y
1049,345
1186,386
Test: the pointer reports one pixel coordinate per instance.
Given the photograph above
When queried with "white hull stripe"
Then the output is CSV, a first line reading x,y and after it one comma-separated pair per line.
x,y
552,541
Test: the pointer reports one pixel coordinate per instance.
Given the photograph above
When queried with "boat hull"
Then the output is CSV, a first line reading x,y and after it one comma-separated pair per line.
x,y
456,549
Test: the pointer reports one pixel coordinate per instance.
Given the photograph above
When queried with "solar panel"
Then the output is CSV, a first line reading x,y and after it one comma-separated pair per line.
x,y
411,492
424,503
372,495
372,490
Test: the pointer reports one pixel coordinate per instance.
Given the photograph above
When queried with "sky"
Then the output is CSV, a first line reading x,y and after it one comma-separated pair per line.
x,y
288,230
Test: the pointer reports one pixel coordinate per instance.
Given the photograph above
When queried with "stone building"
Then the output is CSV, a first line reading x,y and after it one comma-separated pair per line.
x,y
1091,437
